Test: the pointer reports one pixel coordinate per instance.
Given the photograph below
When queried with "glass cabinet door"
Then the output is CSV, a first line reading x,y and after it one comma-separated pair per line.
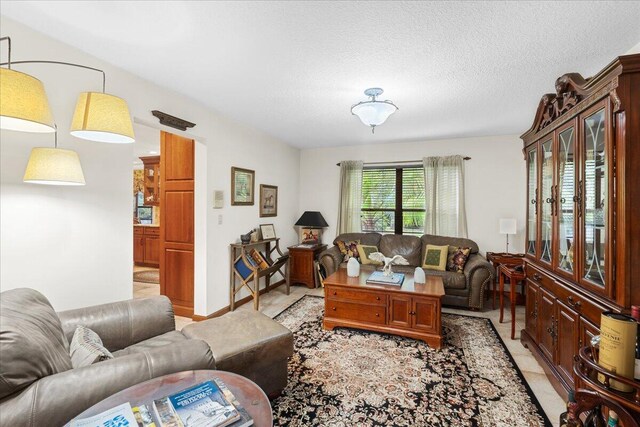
x,y
546,210
532,199
566,174
595,199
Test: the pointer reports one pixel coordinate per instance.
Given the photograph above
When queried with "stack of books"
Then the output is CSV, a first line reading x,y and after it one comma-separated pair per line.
x,y
209,404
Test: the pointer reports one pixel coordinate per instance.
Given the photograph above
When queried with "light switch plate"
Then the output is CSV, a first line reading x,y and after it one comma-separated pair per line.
x,y
218,199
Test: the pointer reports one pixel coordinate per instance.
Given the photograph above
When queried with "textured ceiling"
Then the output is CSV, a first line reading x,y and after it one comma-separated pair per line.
x,y
293,69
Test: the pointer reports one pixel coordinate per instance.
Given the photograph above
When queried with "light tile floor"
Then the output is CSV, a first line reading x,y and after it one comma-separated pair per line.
x,y
275,301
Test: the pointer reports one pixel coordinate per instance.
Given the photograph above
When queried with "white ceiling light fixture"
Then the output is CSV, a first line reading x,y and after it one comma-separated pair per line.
x,y
373,112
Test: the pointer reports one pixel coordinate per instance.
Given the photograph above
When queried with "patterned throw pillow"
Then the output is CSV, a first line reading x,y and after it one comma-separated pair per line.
x,y
435,257
457,259
87,348
349,249
364,251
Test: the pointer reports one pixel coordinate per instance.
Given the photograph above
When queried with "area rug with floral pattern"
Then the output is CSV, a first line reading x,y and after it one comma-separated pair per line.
x,y
348,377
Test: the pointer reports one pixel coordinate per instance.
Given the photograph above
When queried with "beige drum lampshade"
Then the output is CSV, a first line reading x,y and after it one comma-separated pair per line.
x,y
102,117
23,103
54,166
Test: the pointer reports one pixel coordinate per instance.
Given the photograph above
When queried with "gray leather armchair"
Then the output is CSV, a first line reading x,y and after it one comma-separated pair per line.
x,y
38,386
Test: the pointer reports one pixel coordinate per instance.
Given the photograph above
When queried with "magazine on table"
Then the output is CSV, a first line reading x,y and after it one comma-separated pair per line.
x,y
121,415
378,277
245,419
203,405
143,416
259,259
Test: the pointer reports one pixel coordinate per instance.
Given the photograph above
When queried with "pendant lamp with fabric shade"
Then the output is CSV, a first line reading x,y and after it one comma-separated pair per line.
x,y
23,103
53,166
102,117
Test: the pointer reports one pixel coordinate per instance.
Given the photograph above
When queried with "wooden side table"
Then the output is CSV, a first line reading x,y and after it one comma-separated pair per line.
x,y
301,267
514,275
499,258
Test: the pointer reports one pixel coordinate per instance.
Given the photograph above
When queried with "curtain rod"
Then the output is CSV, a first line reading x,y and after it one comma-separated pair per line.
x,y
398,162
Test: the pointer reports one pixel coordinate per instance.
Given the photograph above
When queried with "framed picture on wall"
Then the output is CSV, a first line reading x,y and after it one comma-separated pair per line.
x,y
242,186
268,231
268,200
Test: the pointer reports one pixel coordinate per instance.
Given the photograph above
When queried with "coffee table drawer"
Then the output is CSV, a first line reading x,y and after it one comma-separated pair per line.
x,y
354,311
365,297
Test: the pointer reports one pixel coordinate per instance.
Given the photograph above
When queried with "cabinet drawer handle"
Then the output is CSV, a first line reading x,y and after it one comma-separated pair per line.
x,y
412,313
575,304
537,277
377,298
335,293
377,314
334,309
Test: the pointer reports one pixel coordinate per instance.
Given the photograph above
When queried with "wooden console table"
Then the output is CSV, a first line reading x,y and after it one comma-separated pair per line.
x,y
497,259
515,276
240,251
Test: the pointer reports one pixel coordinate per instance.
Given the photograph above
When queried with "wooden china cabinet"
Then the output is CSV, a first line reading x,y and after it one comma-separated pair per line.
x,y
151,181
583,212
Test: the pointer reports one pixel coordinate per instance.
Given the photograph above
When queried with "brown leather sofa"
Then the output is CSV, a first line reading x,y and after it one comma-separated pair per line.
x,y
462,290
39,386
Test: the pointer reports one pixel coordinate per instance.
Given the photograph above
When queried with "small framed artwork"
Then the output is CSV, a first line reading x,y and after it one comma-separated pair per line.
x,y
268,231
310,235
242,185
268,200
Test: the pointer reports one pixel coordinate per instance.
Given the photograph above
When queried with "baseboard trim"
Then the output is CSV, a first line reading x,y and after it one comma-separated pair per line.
x,y
227,309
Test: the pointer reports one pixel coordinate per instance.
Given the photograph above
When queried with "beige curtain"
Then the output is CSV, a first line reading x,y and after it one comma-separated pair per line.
x,y
350,196
444,192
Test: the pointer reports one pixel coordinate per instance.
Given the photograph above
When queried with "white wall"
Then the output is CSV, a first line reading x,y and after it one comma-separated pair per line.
x,y
635,49
494,182
75,244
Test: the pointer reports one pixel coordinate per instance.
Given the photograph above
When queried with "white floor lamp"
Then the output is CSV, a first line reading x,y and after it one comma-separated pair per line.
x,y
507,226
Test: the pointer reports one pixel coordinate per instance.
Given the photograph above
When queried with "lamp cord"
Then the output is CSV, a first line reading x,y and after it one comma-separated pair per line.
x,y
71,64
104,75
8,39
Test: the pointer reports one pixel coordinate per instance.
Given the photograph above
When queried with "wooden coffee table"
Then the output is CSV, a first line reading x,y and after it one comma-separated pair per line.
x,y
246,391
412,310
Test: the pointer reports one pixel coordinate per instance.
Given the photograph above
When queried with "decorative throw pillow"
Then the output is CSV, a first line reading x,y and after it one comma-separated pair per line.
x,y
435,257
364,251
87,348
349,249
457,258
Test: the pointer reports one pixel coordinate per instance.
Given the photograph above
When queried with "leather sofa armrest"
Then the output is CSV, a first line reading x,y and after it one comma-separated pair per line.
x,y
331,259
479,273
56,399
124,323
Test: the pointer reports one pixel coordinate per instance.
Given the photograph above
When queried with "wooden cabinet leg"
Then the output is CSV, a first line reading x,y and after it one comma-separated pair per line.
x,y
501,290
512,300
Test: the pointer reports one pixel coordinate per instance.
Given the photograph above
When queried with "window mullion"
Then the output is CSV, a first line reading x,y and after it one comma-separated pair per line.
x,y
398,211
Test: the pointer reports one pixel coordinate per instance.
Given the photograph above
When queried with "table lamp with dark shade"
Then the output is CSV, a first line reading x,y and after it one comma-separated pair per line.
x,y
311,223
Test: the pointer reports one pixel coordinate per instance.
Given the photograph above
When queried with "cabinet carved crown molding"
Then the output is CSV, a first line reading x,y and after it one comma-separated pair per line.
x,y
570,89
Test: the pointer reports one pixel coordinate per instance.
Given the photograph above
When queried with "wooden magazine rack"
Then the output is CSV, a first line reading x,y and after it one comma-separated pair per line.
x,y
240,251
